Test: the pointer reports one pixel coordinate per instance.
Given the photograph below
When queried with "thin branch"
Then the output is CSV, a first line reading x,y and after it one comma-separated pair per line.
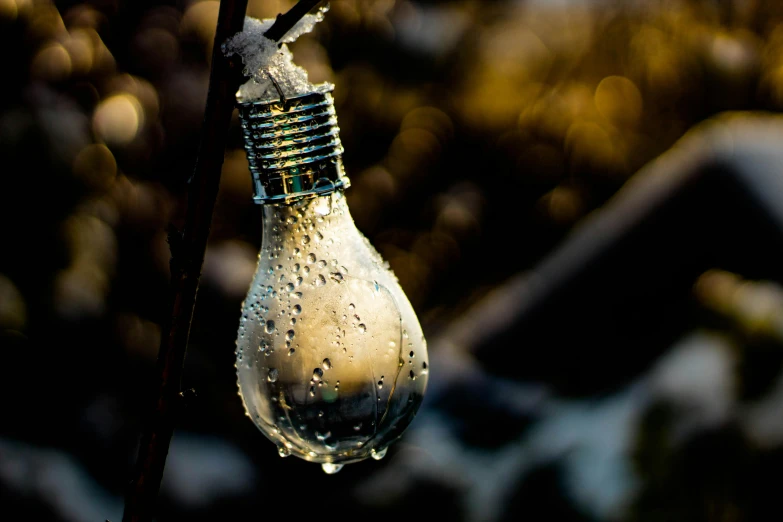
x,y
187,259
187,249
285,22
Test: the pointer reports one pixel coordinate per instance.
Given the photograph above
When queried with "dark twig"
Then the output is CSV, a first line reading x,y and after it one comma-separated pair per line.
x,y
187,249
286,21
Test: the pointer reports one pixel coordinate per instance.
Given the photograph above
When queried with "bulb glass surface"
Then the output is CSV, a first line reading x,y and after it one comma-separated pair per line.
x,y
331,359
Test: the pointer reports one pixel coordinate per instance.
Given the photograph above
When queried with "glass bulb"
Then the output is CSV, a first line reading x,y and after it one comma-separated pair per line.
x,y
331,359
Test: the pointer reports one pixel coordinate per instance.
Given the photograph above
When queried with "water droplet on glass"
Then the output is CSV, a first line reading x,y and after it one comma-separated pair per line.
x,y
317,374
337,276
331,469
305,239
283,451
296,310
291,351
362,328
289,335
327,364
269,327
311,258
410,354
378,455
289,287
321,264
320,280
351,307
272,375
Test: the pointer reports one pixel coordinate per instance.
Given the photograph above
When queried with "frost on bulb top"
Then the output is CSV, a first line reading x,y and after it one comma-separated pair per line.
x,y
331,360
264,61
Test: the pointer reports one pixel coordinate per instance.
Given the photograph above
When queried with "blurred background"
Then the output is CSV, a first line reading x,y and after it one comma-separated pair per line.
x,y
605,344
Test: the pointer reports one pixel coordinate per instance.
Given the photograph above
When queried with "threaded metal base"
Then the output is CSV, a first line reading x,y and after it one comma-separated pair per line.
x,y
293,146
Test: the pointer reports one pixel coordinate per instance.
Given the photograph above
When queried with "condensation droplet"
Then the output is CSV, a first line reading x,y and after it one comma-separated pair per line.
x,y
317,374
296,310
331,469
320,280
327,364
362,328
272,375
269,327
289,335
378,455
311,258
283,451
305,239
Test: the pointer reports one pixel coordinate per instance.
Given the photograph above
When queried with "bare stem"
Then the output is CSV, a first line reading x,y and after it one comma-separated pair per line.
x,y
286,21
187,255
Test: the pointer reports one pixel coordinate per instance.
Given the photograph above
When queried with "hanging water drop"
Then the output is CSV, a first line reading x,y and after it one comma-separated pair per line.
x,y
331,469
378,454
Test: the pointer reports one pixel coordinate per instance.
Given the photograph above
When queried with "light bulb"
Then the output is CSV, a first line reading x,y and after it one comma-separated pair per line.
x,y
331,359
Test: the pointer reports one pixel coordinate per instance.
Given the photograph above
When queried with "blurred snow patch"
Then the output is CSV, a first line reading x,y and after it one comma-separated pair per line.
x,y
201,469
